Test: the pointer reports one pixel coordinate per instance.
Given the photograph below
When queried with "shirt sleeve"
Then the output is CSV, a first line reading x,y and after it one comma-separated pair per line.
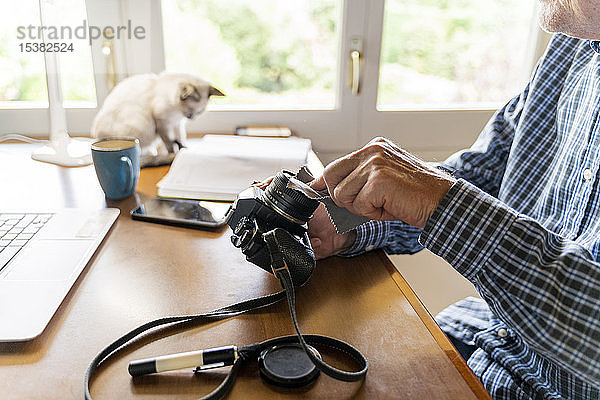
x,y
483,165
395,237
544,286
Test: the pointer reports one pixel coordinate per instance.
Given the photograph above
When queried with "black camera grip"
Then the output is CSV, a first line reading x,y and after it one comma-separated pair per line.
x,y
298,255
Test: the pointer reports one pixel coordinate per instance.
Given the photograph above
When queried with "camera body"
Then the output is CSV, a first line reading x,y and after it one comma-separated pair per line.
x,y
279,209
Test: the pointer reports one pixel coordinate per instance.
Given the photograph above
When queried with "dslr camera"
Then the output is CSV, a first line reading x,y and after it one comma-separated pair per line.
x,y
282,210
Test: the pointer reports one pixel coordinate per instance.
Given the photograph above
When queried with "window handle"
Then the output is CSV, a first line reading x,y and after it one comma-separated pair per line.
x,y
355,49
355,54
108,50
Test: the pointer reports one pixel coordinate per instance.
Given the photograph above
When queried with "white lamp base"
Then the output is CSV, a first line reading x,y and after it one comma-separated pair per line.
x,y
65,152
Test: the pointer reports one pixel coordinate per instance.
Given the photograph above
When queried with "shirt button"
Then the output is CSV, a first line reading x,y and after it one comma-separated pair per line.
x,y
369,248
502,333
588,174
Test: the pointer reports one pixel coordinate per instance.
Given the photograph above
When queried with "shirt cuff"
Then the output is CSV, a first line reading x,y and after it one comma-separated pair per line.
x,y
369,236
467,227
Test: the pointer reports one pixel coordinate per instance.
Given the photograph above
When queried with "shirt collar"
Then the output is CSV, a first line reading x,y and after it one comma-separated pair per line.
x,y
595,45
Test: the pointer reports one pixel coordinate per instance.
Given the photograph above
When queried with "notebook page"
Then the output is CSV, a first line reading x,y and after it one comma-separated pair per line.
x,y
228,165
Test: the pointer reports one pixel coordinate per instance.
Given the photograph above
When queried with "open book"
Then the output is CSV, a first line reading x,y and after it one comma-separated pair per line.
x,y
218,167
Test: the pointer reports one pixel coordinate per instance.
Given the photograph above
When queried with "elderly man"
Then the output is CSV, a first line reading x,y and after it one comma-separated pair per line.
x,y
518,214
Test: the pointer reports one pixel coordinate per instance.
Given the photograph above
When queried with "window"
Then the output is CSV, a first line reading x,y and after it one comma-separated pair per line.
x,y
453,53
276,54
23,81
23,68
429,72
22,75
77,73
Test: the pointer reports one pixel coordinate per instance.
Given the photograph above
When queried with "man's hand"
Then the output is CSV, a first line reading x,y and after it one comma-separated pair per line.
x,y
324,239
382,181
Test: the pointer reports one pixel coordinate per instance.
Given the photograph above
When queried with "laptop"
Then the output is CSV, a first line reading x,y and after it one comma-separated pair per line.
x,y
41,256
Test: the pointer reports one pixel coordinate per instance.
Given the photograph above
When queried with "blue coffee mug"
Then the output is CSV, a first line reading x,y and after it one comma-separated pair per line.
x,y
117,163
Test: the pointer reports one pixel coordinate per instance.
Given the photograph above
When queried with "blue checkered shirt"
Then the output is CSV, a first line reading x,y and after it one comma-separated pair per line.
x,y
522,223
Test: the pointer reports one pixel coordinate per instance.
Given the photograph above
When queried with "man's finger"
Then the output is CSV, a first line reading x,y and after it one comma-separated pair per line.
x,y
371,204
263,185
318,184
363,204
316,245
346,191
337,170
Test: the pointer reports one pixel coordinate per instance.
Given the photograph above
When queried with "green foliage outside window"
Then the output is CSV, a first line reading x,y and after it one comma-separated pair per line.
x,y
459,51
255,49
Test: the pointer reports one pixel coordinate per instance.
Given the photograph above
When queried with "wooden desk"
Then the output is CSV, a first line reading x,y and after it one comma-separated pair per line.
x,y
143,271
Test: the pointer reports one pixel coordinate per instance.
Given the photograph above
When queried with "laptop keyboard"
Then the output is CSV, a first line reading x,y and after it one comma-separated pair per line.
x,y
15,231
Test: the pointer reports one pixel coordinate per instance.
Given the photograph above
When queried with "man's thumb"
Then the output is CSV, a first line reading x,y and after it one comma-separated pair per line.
x,y
318,184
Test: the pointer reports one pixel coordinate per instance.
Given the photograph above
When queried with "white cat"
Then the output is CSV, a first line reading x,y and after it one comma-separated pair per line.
x,y
154,109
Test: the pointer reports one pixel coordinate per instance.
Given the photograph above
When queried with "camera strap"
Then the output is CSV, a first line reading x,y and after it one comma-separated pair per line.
x,y
282,272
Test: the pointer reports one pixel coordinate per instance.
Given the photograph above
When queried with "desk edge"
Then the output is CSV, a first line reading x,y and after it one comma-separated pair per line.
x,y
440,337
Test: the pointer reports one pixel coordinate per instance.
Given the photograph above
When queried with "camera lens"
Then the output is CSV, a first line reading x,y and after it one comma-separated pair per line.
x,y
291,203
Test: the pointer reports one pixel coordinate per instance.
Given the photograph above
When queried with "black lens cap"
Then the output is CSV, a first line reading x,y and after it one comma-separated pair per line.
x,y
288,366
